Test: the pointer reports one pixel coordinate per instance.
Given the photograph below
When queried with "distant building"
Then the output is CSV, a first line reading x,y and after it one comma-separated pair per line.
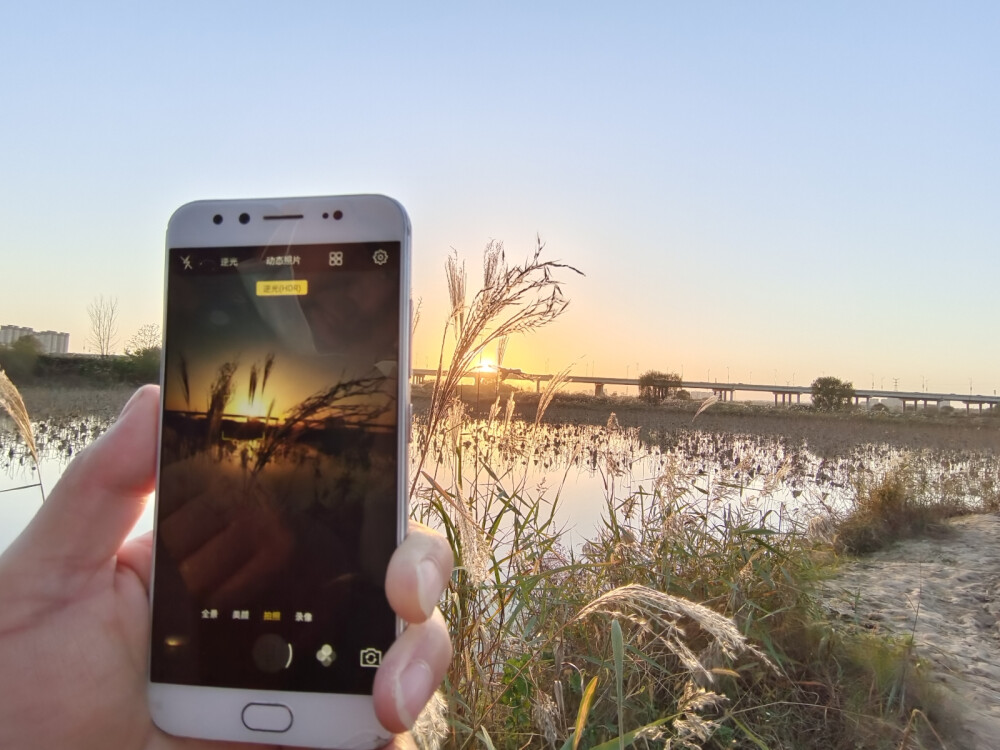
x,y
52,342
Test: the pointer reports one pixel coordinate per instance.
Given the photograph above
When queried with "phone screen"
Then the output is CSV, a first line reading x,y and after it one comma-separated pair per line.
x,y
277,495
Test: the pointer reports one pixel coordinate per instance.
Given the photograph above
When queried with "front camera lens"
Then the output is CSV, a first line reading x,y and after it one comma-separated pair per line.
x,y
326,215
244,218
217,218
338,215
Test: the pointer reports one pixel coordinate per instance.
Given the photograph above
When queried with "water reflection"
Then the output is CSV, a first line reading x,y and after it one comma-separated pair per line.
x,y
582,469
57,441
590,468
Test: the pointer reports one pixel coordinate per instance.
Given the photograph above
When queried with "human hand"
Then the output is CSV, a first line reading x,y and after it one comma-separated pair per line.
x,y
74,609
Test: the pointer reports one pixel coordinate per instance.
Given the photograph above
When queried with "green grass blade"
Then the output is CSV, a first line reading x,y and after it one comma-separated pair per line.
x,y
626,740
583,713
618,647
485,737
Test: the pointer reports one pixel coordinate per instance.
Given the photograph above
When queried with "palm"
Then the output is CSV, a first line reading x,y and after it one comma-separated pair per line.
x,y
77,656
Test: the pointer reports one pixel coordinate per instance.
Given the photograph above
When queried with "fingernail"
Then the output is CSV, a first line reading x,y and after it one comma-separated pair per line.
x,y
429,585
412,691
128,405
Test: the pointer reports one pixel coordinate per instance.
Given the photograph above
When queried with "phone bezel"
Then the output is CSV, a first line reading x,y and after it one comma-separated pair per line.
x,y
321,720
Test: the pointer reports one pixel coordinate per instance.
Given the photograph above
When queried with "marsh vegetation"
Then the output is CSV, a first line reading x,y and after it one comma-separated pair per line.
x,y
684,611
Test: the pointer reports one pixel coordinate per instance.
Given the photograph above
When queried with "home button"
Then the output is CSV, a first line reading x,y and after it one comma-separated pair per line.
x,y
267,717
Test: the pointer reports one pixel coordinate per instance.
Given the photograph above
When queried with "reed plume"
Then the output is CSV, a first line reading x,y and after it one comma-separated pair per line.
x,y
514,298
663,616
219,394
13,404
551,388
185,381
252,391
268,364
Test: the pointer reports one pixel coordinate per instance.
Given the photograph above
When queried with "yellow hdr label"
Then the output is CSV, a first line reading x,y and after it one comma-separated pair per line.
x,y
298,287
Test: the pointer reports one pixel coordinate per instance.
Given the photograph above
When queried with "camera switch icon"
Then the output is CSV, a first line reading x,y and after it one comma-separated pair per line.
x,y
371,657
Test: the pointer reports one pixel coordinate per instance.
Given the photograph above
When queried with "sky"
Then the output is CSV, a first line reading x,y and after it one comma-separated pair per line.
x,y
756,192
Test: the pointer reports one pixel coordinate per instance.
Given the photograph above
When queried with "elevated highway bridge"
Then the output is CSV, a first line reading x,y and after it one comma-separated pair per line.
x,y
783,394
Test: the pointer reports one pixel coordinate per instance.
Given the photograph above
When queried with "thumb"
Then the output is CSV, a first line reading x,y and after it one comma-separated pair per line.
x,y
99,497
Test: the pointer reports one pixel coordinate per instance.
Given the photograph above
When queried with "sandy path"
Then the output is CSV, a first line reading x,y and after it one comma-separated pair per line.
x,y
946,591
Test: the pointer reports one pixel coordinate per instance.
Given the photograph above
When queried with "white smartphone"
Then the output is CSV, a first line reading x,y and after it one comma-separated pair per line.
x,y
281,489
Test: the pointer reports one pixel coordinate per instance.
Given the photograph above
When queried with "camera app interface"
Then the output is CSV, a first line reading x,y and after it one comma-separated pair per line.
x,y
277,489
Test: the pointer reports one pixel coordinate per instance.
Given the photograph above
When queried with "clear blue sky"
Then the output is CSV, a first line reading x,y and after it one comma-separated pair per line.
x,y
776,190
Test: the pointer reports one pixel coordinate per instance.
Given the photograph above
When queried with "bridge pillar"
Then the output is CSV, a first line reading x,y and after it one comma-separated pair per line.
x,y
775,398
598,389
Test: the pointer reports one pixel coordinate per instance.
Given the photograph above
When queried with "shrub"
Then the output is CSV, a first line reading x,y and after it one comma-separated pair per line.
x,y
140,366
20,359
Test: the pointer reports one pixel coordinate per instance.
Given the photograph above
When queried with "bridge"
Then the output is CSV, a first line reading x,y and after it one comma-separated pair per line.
x,y
783,394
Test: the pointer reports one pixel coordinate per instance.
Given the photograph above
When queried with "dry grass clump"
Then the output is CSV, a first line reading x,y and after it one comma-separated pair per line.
x,y
896,504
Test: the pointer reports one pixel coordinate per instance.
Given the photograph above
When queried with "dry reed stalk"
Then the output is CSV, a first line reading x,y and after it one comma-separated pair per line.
x,y
475,545
494,412
704,405
550,392
514,298
509,415
415,317
13,404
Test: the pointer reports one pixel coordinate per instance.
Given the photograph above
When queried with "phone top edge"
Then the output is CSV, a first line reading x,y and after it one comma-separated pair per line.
x,y
316,219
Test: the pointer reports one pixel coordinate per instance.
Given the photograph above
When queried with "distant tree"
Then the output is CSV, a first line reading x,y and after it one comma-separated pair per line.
x,y
147,337
656,386
831,393
20,359
103,314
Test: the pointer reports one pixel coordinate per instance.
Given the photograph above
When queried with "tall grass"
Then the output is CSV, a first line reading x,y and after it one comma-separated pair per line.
x,y
895,504
679,624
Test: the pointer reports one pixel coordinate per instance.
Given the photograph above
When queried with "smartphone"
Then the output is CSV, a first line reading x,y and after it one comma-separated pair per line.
x,y
281,489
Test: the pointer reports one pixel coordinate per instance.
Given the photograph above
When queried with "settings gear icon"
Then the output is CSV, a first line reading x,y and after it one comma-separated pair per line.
x,y
380,257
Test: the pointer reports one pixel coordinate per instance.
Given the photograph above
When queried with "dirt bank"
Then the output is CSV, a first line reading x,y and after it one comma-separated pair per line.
x,y
945,592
